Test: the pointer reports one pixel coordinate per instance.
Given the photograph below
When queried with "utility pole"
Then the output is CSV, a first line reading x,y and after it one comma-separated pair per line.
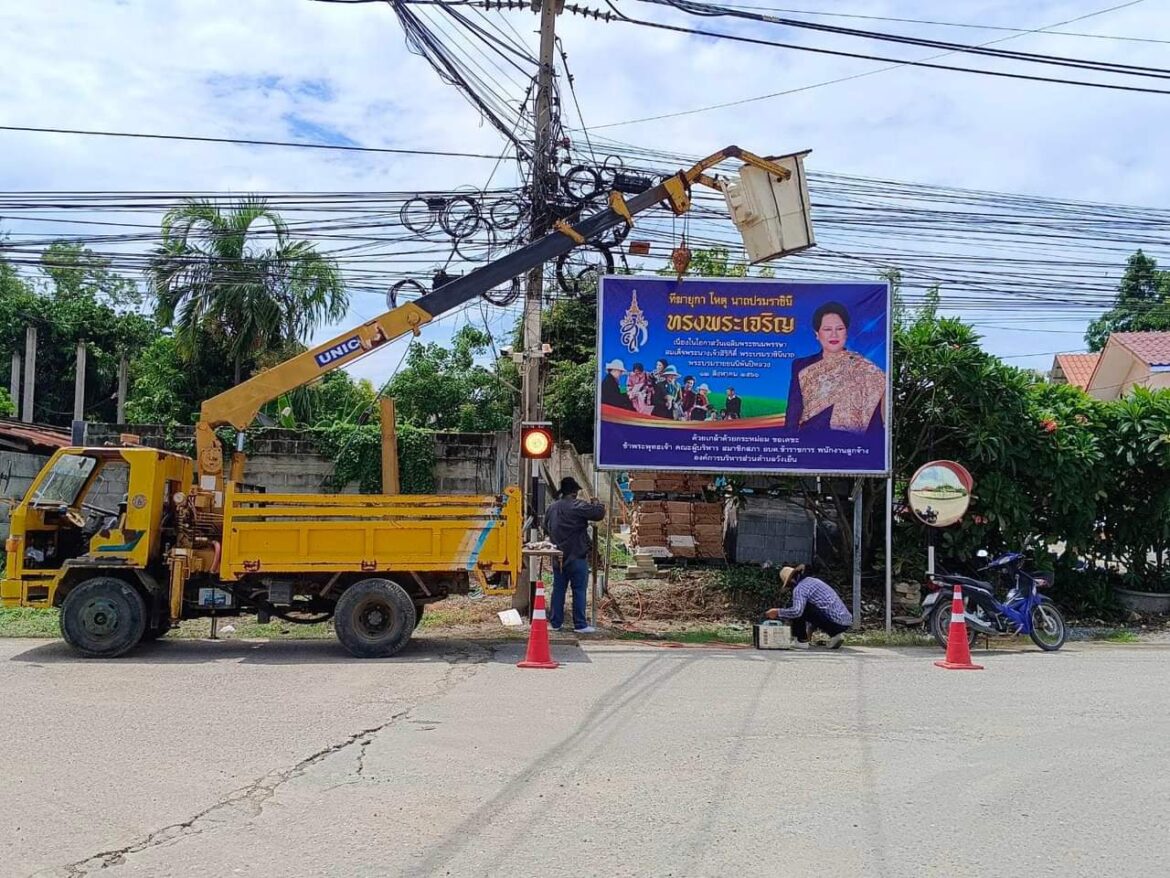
x,y
30,373
543,173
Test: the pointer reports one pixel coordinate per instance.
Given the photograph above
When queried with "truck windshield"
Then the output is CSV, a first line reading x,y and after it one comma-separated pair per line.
x,y
64,481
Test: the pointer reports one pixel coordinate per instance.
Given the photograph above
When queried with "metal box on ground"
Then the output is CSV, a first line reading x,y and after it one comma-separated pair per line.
x,y
771,635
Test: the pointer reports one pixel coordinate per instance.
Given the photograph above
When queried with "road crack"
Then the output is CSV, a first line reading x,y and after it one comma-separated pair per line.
x,y
247,803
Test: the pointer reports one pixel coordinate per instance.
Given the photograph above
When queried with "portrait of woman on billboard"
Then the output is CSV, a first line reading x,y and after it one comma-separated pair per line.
x,y
836,390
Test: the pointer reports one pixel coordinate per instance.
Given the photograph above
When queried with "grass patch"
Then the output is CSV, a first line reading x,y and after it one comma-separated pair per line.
x,y
691,635
436,616
249,629
893,638
28,622
1122,636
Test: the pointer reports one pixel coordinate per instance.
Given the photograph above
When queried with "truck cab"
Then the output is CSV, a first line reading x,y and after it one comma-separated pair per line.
x,y
95,512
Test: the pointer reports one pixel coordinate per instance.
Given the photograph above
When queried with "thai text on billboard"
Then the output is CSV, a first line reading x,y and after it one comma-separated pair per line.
x,y
743,375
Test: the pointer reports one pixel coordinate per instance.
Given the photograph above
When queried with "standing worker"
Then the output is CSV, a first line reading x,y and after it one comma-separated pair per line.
x,y
567,524
814,606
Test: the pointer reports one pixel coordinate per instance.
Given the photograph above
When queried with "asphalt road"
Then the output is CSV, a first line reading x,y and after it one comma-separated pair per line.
x,y
192,758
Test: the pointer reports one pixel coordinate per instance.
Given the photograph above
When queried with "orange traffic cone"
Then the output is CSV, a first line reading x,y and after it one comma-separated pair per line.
x,y
958,650
539,655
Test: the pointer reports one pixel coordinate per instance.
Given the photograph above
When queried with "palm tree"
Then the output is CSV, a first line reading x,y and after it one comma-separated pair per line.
x,y
237,277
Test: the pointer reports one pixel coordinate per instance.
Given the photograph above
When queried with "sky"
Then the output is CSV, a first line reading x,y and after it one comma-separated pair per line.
x,y
342,74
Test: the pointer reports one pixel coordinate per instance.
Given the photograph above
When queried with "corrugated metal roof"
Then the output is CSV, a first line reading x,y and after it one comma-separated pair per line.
x,y
32,437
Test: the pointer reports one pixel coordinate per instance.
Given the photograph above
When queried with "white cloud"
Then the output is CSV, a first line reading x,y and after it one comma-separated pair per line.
x,y
288,69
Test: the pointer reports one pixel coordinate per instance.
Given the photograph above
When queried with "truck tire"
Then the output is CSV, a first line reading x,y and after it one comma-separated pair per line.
x,y
103,617
374,618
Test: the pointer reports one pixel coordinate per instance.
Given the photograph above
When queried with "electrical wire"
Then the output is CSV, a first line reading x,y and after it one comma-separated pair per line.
x,y
840,79
250,142
954,24
758,41
711,10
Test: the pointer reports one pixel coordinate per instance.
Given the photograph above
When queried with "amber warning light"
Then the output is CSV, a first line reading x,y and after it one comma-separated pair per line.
x,y
536,441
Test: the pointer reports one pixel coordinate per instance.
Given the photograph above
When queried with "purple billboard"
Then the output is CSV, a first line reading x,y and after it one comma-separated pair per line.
x,y
743,375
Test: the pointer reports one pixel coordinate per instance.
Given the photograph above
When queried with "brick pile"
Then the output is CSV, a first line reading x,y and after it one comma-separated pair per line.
x,y
670,520
678,529
669,483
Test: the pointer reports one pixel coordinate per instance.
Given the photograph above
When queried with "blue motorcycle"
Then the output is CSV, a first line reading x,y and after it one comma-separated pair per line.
x,y
1025,610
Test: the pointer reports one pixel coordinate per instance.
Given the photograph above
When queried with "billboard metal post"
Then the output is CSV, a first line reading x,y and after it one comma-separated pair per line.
x,y
604,585
889,553
857,493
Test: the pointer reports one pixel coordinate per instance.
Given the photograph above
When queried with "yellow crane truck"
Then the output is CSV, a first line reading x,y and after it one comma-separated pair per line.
x,y
189,541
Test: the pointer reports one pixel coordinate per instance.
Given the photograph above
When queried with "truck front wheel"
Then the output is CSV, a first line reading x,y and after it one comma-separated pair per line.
x,y
374,618
103,617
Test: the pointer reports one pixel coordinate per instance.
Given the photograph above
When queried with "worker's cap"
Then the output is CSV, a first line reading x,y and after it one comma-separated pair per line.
x,y
615,364
786,574
704,387
569,485
670,370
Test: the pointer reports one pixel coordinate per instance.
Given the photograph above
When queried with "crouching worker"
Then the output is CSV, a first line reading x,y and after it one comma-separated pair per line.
x,y
815,607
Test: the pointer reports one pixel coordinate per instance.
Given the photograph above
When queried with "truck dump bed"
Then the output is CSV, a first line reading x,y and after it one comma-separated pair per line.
x,y
321,533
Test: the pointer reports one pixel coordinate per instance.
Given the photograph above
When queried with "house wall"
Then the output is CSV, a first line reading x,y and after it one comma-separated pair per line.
x,y
1158,381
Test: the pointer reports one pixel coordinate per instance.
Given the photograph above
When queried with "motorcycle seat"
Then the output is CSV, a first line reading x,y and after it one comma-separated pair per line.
x,y
965,581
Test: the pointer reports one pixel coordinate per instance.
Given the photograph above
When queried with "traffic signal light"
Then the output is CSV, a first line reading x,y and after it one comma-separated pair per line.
x,y
536,441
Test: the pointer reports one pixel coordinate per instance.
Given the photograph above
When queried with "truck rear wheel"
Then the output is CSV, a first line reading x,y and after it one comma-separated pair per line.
x,y
374,618
103,617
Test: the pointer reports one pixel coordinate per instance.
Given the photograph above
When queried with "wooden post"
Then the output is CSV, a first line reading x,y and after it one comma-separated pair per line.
x,y
30,374
79,384
390,484
123,382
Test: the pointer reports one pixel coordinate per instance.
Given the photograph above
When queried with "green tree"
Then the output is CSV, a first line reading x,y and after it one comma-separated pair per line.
x,y
1142,303
7,407
238,278
77,298
446,389
166,388
1135,506
335,399
78,273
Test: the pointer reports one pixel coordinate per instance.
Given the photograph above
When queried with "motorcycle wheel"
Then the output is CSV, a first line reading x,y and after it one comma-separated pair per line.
x,y
940,625
1048,629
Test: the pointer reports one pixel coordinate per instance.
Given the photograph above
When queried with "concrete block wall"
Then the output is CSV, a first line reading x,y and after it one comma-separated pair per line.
x,y
471,463
17,471
280,461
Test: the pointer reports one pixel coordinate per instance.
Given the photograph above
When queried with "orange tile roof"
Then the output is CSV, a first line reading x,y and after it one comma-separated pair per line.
x,y
1077,368
1152,348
